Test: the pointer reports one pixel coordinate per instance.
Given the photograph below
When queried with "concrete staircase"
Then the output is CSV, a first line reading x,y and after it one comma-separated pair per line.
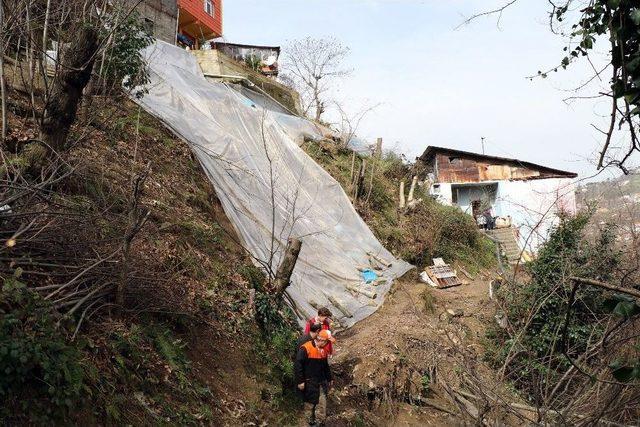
x,y
509,244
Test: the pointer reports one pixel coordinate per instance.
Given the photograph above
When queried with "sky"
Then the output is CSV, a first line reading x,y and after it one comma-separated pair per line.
x,y
442,85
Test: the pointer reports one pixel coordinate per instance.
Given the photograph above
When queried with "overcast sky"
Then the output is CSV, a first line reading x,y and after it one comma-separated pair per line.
x,y
443,86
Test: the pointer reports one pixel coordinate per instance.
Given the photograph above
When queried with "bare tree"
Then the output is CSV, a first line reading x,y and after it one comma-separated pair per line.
x,y
312,64
349,123
615,24
48,52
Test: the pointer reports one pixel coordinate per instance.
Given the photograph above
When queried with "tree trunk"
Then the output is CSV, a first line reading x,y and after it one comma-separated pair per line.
x,y
3,90
285,269
74,74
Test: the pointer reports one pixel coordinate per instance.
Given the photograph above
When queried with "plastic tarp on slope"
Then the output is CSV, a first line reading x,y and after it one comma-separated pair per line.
x,y
246,152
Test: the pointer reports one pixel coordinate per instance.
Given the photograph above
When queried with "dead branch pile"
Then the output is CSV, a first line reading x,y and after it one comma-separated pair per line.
x,y
59,245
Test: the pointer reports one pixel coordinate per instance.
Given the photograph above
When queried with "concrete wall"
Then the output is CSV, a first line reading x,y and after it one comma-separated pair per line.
x,y
162,15
217,63
441,191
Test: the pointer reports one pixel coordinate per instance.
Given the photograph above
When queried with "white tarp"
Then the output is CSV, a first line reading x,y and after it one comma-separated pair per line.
x,y
269,187
535,206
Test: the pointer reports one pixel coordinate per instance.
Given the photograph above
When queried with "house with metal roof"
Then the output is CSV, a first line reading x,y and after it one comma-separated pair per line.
x,y
525,197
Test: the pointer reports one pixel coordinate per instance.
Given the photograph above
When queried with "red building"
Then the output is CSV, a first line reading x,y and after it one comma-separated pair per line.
x,y
198,20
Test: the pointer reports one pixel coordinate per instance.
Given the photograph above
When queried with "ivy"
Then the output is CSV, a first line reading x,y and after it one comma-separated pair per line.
x,y
40,373
125,64
540,352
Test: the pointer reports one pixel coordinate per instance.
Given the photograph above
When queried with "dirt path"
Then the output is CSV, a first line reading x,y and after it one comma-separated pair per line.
x,y
394,367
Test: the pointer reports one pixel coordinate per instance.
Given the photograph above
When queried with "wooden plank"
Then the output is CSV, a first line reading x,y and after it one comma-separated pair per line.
x,y
438,262
442,274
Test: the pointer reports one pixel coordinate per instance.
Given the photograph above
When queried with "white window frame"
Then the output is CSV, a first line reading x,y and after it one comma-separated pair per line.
x,y
212,7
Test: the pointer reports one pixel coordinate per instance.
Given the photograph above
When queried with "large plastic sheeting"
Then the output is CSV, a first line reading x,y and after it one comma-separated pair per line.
x,y
270,189
300,127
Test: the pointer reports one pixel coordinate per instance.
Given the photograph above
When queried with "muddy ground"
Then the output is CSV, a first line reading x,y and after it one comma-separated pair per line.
x,y
403,365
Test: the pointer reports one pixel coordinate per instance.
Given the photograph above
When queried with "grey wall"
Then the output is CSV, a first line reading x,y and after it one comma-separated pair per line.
x,y
162,15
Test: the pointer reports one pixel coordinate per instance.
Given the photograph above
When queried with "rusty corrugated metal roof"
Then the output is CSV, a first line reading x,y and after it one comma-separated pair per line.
x,y
431,152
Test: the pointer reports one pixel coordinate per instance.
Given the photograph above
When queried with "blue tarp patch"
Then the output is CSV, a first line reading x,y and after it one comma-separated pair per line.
x,y
369,275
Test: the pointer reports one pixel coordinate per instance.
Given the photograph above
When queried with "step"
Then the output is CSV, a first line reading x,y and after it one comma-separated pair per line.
x,y
513,246
500,230
501,236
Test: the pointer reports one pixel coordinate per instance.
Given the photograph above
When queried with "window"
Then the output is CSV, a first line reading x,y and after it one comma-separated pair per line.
x,y
208,7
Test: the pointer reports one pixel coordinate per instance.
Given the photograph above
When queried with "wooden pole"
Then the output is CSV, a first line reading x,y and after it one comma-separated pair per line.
x,y
402,200
353,164
360,180
285,269
373,170
382,261
366,292
378,153
339,306
414,181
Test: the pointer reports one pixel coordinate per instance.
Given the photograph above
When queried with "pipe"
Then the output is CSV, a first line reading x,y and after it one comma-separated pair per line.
x,y
228,76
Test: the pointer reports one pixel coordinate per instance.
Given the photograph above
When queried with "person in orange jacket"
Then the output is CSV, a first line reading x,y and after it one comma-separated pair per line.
x,y
313,376
324,319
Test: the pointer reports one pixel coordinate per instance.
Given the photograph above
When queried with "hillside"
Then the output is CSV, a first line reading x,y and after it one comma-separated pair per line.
x,y
401,365
184,346
613,202
416,235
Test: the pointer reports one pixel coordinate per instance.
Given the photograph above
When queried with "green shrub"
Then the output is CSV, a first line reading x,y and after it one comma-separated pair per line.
x,y
279,333
426,384
41,374
541,303
434,230
124,64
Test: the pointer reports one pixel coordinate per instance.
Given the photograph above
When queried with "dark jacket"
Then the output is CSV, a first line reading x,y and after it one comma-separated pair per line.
x,y
312,369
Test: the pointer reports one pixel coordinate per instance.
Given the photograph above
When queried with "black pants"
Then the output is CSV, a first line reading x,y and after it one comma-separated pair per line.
x,y
316,405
